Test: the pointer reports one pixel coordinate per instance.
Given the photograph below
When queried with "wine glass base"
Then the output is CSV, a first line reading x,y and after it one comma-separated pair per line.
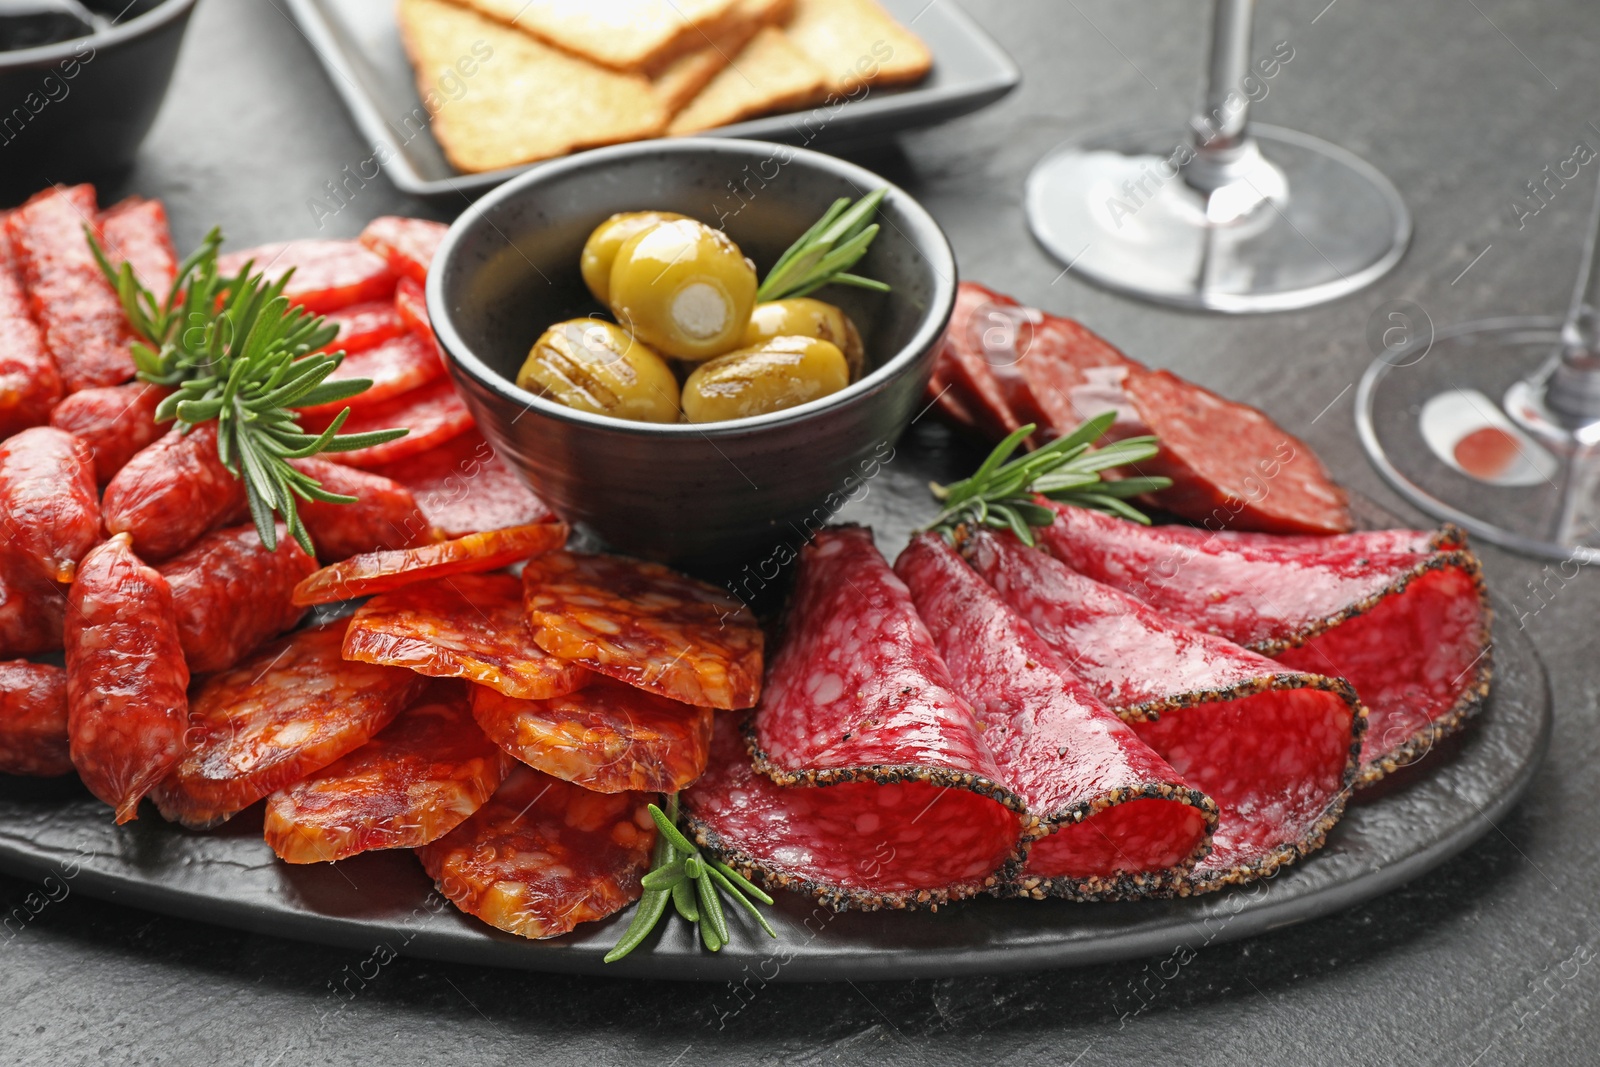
x,y
1116,208
1455,424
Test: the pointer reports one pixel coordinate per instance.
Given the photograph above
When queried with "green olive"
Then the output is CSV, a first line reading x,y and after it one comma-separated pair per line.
x,y
684,289
802,316
595,366
778,373
600,250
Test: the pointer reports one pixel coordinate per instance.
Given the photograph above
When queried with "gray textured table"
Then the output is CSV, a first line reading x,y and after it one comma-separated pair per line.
x,y
1491,959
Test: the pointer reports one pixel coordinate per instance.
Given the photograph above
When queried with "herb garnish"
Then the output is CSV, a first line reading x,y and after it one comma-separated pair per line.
x,y
236,350
1001,494
825,253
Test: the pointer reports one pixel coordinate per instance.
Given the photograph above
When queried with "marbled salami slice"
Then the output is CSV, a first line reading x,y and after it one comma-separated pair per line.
x,y
384,516
1121,822
115,421
433,414
33,720
464,487
293,707
1406,624
646,625
544,855
414,782
328,275
607,736
1275,748
395,366
377,572
407,244
471,626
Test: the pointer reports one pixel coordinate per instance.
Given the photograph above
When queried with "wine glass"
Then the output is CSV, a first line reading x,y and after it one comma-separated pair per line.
x,y
1226,216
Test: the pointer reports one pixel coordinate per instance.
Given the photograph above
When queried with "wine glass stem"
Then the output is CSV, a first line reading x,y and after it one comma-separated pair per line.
x,y
1574,388
1221,123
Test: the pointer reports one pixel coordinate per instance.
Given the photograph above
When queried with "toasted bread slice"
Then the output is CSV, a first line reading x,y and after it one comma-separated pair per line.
x,y
525,101
769,74
856,43
683,78
628,35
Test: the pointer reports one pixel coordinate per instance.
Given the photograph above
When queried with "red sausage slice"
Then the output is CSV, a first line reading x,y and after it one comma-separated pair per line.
x,y
172,493
135,231
433,414
384,516
395,366
464,487
377,572
362,326
407,244
328,275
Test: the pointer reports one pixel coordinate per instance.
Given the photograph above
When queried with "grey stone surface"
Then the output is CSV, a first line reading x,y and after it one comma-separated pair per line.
x,y
1491,959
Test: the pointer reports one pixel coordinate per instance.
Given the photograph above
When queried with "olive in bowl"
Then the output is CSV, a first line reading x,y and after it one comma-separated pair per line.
x,y
708,496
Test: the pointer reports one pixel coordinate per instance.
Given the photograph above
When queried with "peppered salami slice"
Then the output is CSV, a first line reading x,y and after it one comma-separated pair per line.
x,y
607,736
469,626
135,231
1407,626
49,504
1275,748
127,708
395,366
30,384
544,855
414,782
172,493
384,516
364,326
1121,822
646,625
115,421
464,487
232,593
377,572
328,275
407,244
433,414
411,304
33,720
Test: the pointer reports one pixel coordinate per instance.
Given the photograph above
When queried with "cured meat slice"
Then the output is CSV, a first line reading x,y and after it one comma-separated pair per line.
x,y
32,609
411,302
30,385
293,707
463,487
1275,748
607,736
363,326
433,414
172,493
411,784
377,572
232,594
384,516
135,231
1121,822
75,307
1409,628
115,421
328,275
33,720
127,681
395,366
646,625
407,244
49,505
963,366
470,626
543,855
952,402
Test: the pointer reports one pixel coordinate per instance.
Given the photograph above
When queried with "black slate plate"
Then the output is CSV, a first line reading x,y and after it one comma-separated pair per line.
x,y
359,45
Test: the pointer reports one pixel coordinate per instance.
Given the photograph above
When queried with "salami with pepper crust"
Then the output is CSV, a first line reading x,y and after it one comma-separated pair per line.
x,y
384,516
115,421
378,572
646,625
411,784
607,736
463,487
49,505
328,275
408,245
173,493
544,855
33,720
127,682
30,385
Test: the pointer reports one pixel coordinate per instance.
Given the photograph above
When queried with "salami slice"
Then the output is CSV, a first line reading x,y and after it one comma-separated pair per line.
x,y
395,366
30,385
384,516
414,782
646,625
1121,822
964,367
33,720
364,326
407,244
1408,627
32,609
1275,748
293,707
543,855
75,307
433,414
49,504
172,493
607,736
411,303
328,275
115,421
377,572
464,487
232,594
470,626
135,231
126,677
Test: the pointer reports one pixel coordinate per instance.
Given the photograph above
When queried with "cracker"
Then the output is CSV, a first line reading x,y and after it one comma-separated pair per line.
x,y
769,74
857,42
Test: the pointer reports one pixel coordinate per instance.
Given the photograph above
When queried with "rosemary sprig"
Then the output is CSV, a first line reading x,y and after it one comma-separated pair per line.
x,y
234,349
1001,494
825,253
694,885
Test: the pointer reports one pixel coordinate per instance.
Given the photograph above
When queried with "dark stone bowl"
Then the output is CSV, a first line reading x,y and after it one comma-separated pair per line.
x,y
78,110
711,497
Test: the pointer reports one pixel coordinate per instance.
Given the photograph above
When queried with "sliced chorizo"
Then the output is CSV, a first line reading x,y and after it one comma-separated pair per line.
x,y
407,244
384,516
433,414
328,274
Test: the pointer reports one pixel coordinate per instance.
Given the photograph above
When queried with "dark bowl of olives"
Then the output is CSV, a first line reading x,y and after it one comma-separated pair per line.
x,y
80,84
660,338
